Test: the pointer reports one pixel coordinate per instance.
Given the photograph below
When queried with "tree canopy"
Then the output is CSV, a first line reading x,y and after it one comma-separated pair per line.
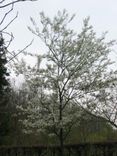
x,y
76,68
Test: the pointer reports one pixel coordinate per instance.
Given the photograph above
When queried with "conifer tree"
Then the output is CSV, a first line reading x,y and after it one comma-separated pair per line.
x,y
4,87
3,70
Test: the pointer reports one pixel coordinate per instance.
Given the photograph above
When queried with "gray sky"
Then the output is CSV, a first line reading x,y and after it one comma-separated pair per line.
x,y
102,16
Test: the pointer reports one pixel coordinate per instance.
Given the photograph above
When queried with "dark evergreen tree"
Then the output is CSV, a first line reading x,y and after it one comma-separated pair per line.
x,y
4,88
3,70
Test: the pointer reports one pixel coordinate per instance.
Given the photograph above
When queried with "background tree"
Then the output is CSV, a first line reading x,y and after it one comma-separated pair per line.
x,y
92,129
4,87
6,7
3,70
74,70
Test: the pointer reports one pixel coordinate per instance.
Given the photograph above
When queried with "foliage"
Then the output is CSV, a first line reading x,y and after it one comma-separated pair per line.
x,y
92,129
3,70
76,68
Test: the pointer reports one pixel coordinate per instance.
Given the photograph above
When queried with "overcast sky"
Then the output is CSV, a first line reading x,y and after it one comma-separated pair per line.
x,y
102,16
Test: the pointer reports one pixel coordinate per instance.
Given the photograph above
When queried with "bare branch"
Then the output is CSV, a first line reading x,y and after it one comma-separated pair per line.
x,y
2,1
10,22
6,14
11,39
7,43
20,51
13,2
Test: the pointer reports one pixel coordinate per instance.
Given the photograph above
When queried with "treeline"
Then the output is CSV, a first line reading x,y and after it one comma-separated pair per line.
x,y
88,129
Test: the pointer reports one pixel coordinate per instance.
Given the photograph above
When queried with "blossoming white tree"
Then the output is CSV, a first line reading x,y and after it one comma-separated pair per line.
x,y
75,68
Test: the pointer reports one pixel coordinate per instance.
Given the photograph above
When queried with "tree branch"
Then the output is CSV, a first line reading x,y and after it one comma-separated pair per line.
x,y
20,51
13,2
9,22
6,14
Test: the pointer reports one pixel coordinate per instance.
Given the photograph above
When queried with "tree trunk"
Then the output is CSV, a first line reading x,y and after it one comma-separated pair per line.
x,y
61,142
61,130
